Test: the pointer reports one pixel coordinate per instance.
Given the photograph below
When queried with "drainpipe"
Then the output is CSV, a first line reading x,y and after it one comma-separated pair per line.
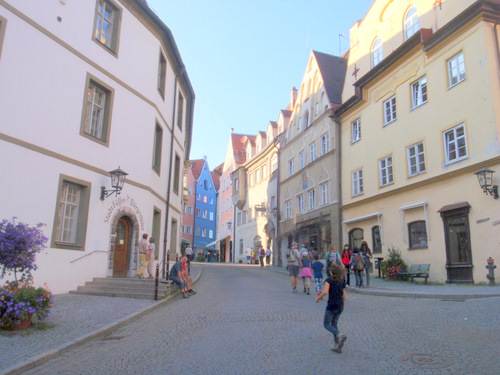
x,y
277,242
338,153
165,267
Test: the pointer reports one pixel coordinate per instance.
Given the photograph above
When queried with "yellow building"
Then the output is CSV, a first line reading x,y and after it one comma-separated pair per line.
x,y
420,115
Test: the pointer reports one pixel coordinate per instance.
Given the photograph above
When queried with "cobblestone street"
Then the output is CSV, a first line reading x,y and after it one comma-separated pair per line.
x,y
246,320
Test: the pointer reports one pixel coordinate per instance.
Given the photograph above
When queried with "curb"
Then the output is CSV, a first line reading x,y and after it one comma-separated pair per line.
x,y
103,331
448,297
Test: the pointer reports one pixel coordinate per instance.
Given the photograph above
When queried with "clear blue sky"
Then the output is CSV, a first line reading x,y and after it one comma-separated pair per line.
x,y
243,58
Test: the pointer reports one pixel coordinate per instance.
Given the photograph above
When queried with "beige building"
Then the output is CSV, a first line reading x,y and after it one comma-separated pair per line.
x,y
309,159
420,115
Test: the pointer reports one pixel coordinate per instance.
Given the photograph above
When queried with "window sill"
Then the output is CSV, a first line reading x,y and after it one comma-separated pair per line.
x,y
419,248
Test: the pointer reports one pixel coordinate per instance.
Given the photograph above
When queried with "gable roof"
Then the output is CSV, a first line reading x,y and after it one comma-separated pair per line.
x,y
196,167
333,70
216,180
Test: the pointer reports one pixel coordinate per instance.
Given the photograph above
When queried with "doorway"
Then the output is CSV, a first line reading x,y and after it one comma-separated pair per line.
x,y
458,246
122,247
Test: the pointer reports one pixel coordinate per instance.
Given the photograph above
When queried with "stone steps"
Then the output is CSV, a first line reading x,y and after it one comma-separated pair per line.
x,y
125,288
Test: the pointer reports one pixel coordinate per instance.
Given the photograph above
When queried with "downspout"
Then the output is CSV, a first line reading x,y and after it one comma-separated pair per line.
x,y
278,242
338,145
165,267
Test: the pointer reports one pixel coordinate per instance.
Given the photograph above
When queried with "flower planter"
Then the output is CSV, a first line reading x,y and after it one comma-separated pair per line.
x,y
23,325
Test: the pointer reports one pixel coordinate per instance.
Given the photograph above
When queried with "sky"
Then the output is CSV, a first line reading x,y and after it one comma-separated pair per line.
x,y
244,57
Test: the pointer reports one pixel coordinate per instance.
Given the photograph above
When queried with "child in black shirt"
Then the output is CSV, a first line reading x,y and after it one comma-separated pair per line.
x,y
335,288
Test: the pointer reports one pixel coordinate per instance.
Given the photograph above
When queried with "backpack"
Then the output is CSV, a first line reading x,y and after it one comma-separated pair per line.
x,y
359,264
290,256
262,251
334,257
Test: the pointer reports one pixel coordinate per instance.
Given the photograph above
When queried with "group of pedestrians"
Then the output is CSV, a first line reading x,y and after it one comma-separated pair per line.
x,y
338,267
146,257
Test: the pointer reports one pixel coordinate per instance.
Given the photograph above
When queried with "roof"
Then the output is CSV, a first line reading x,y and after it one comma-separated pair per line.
x,y
333,70
274,124
216,180
286,112
196,167
238,142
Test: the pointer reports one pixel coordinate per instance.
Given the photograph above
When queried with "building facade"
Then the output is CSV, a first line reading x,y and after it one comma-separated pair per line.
x,y
309,159
420,116
189,206
97,85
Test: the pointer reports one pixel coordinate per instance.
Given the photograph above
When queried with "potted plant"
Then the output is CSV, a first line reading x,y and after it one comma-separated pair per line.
x,y
393,265
20,300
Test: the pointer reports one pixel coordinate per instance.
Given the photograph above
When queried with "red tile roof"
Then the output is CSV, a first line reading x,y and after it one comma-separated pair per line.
x,y
196,167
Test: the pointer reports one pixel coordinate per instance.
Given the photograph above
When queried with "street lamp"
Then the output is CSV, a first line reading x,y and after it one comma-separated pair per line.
x,y
485,178
117,181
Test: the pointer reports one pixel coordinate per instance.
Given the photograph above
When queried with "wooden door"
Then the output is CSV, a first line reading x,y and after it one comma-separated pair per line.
x,y
122,246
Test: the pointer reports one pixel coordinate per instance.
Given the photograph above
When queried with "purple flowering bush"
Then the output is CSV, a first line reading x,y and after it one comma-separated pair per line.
x,y
20,299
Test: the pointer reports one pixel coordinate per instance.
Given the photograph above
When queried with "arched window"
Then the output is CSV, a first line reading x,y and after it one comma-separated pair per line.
x,y
411,25
377,52
205,184
356,237
377,240
417,233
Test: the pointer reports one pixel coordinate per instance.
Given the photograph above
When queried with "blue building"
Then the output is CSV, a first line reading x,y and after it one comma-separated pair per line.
x,y
205,208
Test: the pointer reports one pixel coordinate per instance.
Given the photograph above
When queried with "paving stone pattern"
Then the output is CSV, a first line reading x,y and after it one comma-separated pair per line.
x,y
246,320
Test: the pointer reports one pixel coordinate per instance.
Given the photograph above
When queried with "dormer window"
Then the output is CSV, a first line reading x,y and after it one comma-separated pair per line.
x,y
411,25
377,52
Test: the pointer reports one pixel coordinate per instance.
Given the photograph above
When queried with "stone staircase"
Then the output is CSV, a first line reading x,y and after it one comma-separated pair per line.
x,y
126,288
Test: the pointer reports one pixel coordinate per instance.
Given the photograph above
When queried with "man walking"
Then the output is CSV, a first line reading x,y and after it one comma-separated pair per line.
x,y
143,255
262,254
294,264
268,257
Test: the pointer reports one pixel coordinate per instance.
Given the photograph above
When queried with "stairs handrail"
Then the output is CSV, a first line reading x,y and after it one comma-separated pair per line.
x,y
86,255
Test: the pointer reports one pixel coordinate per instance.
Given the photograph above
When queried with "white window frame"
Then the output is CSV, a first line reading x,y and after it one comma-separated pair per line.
x,y
211,234
107,25
325,144
386,174
456,69
455,140
288,209
302,159
312,199
356,130
324,193
411,25
312,152
291,167
211,216
390,114
357,182
417,159
419,92
300,203
377,52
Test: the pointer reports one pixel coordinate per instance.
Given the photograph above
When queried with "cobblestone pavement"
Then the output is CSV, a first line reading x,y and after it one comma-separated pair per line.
x,y
246,320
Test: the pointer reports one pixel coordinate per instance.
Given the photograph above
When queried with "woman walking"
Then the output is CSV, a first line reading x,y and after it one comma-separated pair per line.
x,y
367,255
345,255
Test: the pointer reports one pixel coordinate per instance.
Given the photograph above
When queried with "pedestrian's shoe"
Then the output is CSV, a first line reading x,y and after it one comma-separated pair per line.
x,y
185,295
192,292
307,291
341,340
294,290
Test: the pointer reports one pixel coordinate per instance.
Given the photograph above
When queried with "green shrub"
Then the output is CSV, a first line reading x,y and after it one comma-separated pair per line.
x,y
200,257
393,264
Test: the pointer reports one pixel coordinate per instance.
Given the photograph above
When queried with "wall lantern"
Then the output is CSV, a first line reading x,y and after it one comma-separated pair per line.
x,y
485,178
117,181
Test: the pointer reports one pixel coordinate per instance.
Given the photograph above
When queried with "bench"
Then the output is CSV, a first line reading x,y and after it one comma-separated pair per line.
x,y
417,270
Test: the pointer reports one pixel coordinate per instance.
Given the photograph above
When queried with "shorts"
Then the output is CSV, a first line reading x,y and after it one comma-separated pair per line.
x,y
178,281
293,270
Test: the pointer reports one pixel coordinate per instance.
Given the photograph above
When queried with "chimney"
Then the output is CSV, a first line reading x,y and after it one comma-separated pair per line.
x,y
293,96
232,130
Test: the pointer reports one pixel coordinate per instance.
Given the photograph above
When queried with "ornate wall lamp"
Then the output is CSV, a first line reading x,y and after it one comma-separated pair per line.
x,y
485,178
117,181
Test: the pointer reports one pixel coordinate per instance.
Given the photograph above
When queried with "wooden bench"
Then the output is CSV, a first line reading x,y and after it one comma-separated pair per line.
x,y
416,271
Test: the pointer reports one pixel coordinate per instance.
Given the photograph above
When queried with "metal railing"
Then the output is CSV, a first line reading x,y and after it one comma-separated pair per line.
x,y
86,255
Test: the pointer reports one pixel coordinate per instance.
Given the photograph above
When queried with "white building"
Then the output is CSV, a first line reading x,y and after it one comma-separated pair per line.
x,y
86,87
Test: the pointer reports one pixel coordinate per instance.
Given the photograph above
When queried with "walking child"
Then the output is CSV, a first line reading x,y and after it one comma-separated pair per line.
x,y
335,289
317,267
306,273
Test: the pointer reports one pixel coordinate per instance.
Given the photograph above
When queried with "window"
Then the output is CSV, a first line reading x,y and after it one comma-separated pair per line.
x,y
212,201
198,212
356,237
357,182
291,167
158,141
189,210
274,163
417,234
325,144
189,229
238,218
97,112
199,197
455,144
3,23
411,23
236,184
312,199
390,110
210,234
385,169
288,209
316,108
241,247
180,110
244,217
107,23
419,92
456,69
324,193
377,52
211,216
355,130
205,199
377,240
302,159
190,190
264,171
162,74
70,223
205,214
250,179
300,204
204,232
197,231
312,152
273,201
205,184
416,159
257,179
177,172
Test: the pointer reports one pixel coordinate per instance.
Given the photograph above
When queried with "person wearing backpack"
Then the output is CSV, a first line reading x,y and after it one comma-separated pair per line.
x,y
358,266
345,255
294,263
367,254
262,254
332,257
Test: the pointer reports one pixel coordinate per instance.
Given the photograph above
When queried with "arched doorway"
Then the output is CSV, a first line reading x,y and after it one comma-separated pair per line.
x,y
122,247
